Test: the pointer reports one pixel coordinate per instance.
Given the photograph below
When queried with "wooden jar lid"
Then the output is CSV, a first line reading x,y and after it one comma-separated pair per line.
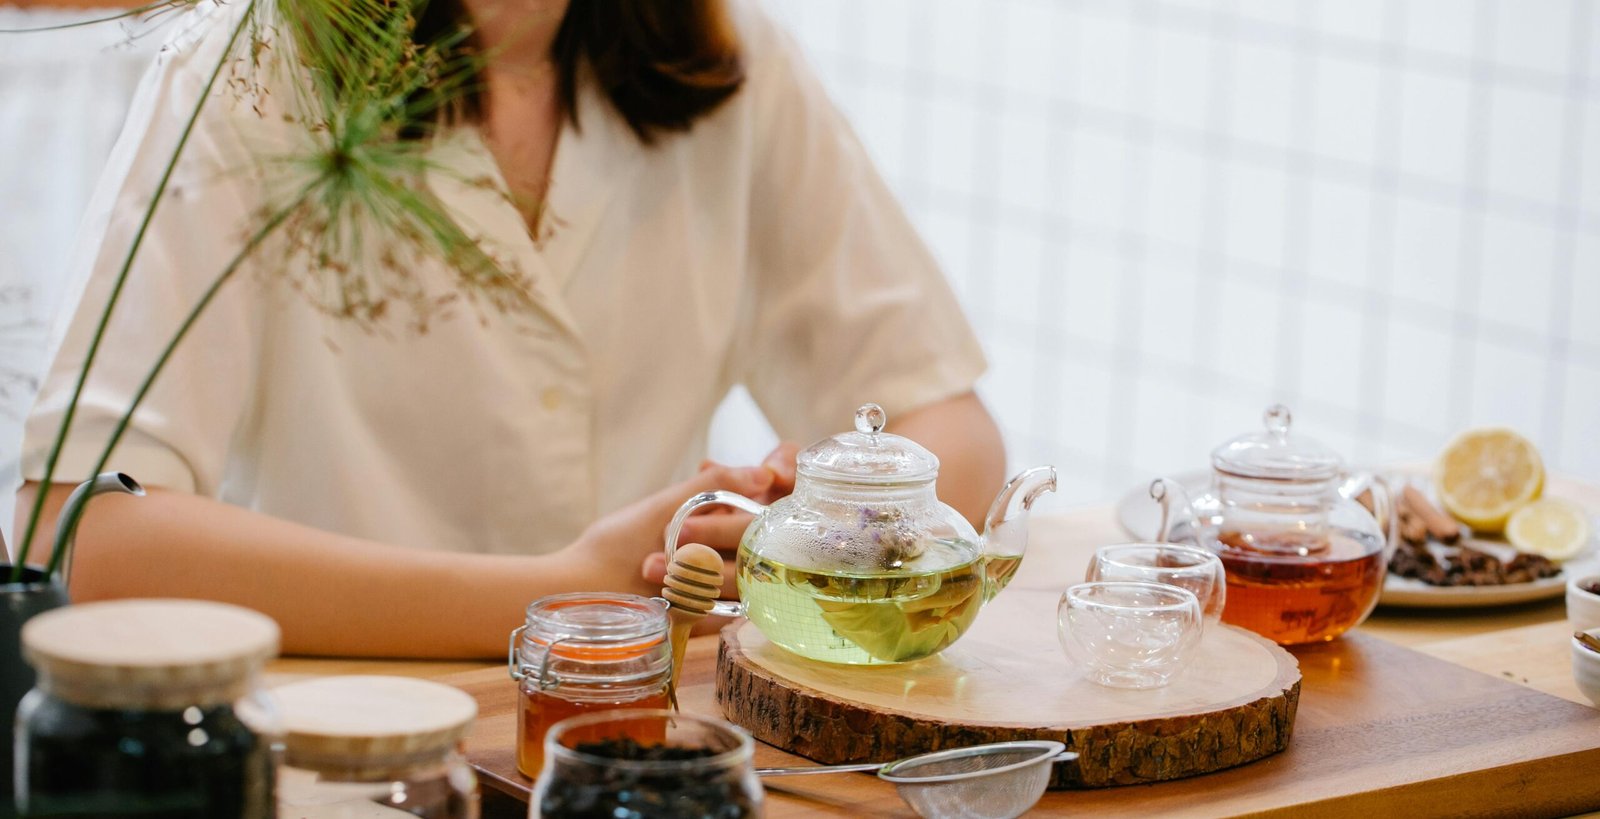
x,y
149,654
369,722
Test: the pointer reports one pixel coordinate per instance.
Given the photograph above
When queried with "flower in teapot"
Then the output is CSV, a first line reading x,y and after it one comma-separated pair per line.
x,y
893,533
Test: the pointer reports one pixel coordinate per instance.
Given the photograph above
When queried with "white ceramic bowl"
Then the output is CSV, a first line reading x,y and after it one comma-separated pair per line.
x,y
1586,668
1583,607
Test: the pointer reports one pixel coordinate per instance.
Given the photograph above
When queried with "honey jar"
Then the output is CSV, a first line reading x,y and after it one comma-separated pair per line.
x,y
587,652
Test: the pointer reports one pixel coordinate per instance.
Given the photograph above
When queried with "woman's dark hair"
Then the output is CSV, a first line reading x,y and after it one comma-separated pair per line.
x,y
662,63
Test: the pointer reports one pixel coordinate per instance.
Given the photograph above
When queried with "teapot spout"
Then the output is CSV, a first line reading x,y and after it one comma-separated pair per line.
x,y
1005,528
72,512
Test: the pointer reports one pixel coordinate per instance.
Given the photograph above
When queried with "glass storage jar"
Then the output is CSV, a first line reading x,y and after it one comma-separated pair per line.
x,y
691,768
362,747
586,652
134,712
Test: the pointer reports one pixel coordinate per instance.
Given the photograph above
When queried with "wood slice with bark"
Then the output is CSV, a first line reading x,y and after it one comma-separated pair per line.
x,y
1007,679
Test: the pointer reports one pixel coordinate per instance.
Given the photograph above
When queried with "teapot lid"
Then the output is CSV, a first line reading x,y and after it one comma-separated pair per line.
x,y
869,455
1275,455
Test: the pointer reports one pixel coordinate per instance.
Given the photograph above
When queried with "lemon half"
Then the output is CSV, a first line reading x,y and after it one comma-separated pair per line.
x,y
1553,528
1484,475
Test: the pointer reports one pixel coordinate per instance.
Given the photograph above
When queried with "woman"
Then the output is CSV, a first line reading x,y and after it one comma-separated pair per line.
x,y
690,213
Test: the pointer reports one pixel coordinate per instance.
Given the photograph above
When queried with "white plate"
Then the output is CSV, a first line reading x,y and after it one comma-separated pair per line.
x,y
1139,516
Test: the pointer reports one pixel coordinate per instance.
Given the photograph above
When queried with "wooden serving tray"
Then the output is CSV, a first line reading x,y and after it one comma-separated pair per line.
x,y
1381,730
1007,679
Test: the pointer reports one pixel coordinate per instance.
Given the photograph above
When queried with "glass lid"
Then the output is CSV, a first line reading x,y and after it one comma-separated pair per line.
x,y
1276,455
595,617
869,455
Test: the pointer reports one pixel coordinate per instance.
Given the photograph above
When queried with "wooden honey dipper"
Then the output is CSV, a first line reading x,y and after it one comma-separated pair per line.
x,y
694,579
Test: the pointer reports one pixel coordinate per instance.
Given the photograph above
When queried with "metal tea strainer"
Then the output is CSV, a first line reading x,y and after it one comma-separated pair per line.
x,y
1001,780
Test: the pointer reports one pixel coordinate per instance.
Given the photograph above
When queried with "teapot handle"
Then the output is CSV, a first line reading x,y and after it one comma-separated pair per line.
x,y
724,608
1383,509
1177,512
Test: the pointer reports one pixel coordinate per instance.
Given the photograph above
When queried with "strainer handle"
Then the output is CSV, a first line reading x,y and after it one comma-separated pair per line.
x,y
821,769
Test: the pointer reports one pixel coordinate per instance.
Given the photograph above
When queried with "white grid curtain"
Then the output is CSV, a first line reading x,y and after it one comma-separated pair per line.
x,y
63,95
1163,216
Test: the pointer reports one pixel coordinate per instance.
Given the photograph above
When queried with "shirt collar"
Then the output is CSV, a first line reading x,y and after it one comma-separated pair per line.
x,y
592,162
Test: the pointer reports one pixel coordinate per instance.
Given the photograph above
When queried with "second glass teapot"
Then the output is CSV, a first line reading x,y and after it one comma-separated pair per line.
x,y
1305,561
862,563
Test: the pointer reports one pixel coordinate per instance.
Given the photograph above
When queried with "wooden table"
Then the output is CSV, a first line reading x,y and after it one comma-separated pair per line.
x,y
1523,646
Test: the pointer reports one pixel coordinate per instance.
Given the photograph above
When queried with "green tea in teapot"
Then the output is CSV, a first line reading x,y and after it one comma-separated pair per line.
x,y
862,564
887,614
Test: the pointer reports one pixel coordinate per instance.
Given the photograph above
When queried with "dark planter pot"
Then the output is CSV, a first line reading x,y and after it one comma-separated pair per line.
x,y
18,602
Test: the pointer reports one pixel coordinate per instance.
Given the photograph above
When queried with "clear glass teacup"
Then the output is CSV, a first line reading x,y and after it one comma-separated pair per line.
x,y
1187,567
1129,634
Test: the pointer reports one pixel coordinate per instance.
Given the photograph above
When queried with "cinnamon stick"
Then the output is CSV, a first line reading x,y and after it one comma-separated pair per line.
x,y
1440,526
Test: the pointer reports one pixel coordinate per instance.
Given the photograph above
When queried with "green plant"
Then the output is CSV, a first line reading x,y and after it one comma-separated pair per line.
x,y
367,97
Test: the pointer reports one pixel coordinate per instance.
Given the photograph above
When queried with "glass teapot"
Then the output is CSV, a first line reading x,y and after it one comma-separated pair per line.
x,y
1305,560
862,564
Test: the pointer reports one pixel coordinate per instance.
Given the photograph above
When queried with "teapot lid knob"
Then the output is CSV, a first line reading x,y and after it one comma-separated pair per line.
x,y
868,455
871,419
1277,420
1275,455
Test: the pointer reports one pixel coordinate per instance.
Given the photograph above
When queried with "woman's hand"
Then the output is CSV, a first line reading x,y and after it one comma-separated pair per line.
x,y
721,527
629,535
781,461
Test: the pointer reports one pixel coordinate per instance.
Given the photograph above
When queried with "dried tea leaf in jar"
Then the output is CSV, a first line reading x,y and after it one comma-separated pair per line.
x,y
134,712
693,768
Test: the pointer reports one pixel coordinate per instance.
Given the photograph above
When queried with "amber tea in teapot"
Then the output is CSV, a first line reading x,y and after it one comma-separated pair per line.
x,y
1305,561
862,564
1297,601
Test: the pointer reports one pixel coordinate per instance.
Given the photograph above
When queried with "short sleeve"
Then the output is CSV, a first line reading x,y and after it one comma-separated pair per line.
x,y
848,305
179,437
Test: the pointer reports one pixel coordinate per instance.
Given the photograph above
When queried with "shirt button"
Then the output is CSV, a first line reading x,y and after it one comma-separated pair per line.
x,y
551,398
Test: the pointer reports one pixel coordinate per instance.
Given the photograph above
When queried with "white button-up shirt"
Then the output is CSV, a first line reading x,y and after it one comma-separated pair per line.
x,y
759,248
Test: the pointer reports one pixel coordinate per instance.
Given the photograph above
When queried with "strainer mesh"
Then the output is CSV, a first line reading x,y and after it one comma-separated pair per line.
x,y
919,768
993,783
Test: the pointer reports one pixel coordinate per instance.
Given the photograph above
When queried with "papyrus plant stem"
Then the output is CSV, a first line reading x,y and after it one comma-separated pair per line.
x,y
369,97
265,230
59,443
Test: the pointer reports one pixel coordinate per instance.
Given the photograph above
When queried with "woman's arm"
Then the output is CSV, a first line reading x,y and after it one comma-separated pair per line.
x,y
341,595
972,458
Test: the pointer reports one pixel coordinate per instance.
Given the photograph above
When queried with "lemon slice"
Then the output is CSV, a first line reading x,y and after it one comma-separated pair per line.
x,y
1485,474
1551,527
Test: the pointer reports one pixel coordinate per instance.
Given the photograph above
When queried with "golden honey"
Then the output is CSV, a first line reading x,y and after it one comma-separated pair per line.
x,y
538,710
583,653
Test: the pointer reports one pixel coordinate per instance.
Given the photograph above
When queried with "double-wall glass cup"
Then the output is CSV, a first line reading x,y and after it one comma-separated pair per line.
x,y
1187,567
1129,634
